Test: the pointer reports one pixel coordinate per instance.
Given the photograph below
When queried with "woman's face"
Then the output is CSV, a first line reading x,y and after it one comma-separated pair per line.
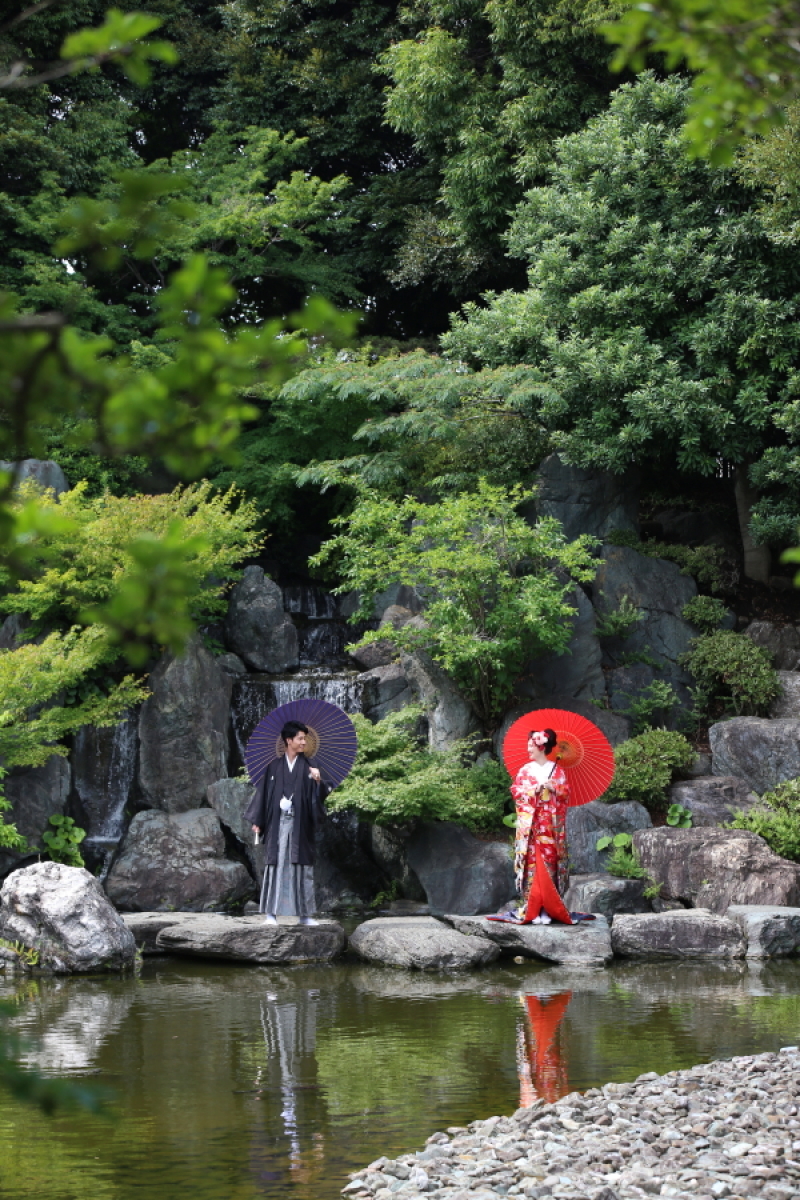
x,y
536,743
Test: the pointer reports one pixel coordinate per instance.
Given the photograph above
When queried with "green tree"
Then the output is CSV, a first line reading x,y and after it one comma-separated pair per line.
x,y
496,588
659,314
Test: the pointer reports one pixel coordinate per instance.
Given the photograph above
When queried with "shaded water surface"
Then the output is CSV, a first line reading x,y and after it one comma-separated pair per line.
x,y
234,1083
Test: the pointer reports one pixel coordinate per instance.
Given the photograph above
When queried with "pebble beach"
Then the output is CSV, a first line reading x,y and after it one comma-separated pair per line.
x,y
726,1129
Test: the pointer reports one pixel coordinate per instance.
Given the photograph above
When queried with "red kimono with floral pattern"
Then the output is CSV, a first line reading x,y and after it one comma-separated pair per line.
x,y
542,823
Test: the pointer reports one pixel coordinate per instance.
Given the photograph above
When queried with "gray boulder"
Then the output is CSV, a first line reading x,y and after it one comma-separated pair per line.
x,y
387,846
715,868
44,471
782,642
421,943
770,931
176,861
386,689
713,799
459,873
345,874
35,794
659,590
229,798
183,730
787,704
561,680
607,895
695,934
586,500
587,823
64,914
761,752
249,939
450,717
257,628
587,944
231,664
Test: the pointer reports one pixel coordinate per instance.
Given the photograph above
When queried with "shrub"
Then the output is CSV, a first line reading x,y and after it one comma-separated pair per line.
x,y
705,563
646,765
778,821
656,700
731,671
397,778
706,612
63,840
619,622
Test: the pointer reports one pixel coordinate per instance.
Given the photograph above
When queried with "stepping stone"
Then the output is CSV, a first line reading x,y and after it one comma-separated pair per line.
x,y
587,944
250,939
421,943
688,933
771,931
146,926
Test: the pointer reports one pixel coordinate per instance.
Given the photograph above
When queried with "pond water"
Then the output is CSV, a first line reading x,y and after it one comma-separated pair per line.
x,y
233,1083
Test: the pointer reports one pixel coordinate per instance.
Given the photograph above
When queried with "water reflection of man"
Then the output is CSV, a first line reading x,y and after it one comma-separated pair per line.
x,y
285,808
541,1066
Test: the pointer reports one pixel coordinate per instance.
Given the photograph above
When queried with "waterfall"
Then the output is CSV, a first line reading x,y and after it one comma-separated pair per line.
x,y
104,765
256,695
311,602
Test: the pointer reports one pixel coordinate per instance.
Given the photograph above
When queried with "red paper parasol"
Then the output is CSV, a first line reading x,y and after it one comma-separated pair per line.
x,y
581,749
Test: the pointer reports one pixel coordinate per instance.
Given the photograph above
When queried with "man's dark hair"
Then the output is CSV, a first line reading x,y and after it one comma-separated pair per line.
x,y
292,728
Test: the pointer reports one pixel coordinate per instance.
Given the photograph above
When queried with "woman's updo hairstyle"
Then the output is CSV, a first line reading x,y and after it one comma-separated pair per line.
x,y
551,738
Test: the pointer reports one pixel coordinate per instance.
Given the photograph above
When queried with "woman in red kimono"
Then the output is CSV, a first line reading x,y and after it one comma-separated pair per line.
x,y
541,795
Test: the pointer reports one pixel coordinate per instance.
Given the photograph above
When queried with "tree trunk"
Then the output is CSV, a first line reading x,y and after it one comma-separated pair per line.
x,y
756,558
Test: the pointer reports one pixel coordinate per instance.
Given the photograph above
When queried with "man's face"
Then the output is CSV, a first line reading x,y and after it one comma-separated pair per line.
x,y
297,744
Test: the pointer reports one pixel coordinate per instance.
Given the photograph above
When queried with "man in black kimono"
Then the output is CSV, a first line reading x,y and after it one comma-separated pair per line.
x,y
285,808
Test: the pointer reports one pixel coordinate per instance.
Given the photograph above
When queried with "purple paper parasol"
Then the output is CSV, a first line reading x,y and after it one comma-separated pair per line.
x,y
331,739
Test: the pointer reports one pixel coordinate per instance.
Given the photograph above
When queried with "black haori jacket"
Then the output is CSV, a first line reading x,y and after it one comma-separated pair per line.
x,y
264,811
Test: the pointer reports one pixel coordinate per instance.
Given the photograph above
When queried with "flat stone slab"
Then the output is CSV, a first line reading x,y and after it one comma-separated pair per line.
x,y
146,926
587,944
695,933
422,944
250,939
770,931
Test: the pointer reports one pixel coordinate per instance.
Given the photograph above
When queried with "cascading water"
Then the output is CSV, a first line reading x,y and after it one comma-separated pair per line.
x,y
104,766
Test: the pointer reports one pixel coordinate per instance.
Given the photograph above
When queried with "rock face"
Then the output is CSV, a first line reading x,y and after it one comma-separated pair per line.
x,y
586,501
782,641
459,873
63,913
450,718
345,874
422,943
176,862
713,799
589,822
763,753
257,628
715,868
35,794
561,680
585,945
607,895
386,689
248,939
388,847
44,471
788,703
183,730
660,591
686,934
770,932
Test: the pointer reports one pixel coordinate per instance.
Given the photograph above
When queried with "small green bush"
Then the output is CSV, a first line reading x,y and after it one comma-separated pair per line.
x,y
653,703
703,562
646,765
397,778
63,841
731,671
778,821
705,612
621,621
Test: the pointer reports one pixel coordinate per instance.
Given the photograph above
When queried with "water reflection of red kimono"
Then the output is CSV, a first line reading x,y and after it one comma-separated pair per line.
x,y
540,851
542,1070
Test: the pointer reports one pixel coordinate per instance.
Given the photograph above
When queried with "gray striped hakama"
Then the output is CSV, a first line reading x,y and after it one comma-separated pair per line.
x,y
288,888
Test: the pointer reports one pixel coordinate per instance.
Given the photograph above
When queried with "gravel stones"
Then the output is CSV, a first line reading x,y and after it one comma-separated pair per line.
x,y
422,943
63,913
587,944
692,933
771,931
723,1129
